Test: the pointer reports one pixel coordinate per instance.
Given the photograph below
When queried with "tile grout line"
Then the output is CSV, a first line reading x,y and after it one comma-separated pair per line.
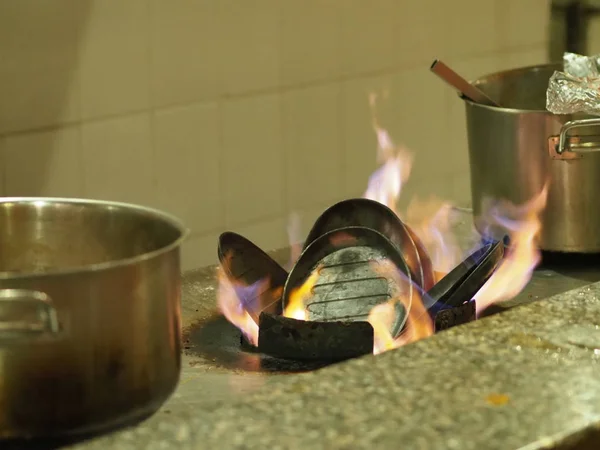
x,y
272,90
151,111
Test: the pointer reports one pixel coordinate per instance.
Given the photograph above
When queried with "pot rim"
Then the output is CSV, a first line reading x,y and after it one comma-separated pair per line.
x,y
176,223
495,75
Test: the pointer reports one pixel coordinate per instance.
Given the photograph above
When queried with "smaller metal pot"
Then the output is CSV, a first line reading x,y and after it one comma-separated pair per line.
x,y
89,314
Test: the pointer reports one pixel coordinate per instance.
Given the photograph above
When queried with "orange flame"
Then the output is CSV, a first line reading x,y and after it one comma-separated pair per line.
x,y
431,221
232,308
522,256
296,307
418,322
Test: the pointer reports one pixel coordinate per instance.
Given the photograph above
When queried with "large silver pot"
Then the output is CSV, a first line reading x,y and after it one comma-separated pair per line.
x,y
89,314
516,149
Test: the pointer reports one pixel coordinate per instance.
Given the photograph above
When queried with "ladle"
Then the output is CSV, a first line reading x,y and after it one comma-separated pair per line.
x,y
459,83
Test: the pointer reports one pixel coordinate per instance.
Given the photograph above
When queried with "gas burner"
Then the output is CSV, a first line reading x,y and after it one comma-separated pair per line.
x,y
358,256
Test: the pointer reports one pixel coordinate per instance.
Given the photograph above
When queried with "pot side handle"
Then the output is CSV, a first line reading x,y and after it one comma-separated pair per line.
x,y
44,310
565,147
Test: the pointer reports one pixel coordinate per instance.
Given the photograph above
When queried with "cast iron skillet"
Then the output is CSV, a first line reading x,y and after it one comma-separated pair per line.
x,y
347,286
362,212
245,264
465,280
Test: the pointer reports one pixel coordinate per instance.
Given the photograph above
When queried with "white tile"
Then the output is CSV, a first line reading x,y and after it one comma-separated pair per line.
x,y
44,164
38,63
199,251
367,35
474,68
253,160
310,41
411,107
525,58
593,35
524,23
2,168
248,42
186,53
474,27
114,57
268,234
417,116
421,32
119,160
188,165
312,140
461,189
360,142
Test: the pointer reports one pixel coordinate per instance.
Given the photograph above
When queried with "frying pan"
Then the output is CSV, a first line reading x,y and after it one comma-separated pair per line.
x,y
362,212
348,285
465,280
245,265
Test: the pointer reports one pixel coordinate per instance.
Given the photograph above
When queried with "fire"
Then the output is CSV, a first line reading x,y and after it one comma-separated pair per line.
x,y
241,304
523,254
233,309
296,307
432,222
418,322
386,183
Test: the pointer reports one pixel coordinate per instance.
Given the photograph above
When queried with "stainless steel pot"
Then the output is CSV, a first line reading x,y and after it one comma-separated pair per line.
x,y
89,314
516,149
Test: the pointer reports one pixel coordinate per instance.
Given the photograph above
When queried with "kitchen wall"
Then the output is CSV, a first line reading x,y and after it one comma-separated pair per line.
x,y
232,114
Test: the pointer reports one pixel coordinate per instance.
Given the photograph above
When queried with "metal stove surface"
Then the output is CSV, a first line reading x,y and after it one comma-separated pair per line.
x,y
215,369
216,372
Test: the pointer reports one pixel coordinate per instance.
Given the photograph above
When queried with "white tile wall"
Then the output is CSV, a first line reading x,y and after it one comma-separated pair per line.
x,y
311,41
474,27
367,35
114,57
188,159
253,160
185,58
46,161
248,38
359,141
39,80
312,134
233,114
118,159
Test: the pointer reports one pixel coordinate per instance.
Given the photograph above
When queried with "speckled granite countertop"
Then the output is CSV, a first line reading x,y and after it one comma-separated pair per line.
x,y
523,379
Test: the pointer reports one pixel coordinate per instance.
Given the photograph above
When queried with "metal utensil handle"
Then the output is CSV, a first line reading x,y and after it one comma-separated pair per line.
x,y
460,84
573,147
44,307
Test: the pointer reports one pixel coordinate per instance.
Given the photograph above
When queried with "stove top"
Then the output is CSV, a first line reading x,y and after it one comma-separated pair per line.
x,y
214,376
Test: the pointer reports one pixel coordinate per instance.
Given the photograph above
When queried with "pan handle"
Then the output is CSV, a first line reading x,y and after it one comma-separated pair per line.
x,y
574,147
44,309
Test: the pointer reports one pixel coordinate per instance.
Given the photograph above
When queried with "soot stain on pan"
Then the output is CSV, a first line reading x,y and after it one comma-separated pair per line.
x,y
214,342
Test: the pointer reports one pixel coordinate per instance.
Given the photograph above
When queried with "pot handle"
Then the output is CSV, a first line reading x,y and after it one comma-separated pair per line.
x,y
574,147
44,308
